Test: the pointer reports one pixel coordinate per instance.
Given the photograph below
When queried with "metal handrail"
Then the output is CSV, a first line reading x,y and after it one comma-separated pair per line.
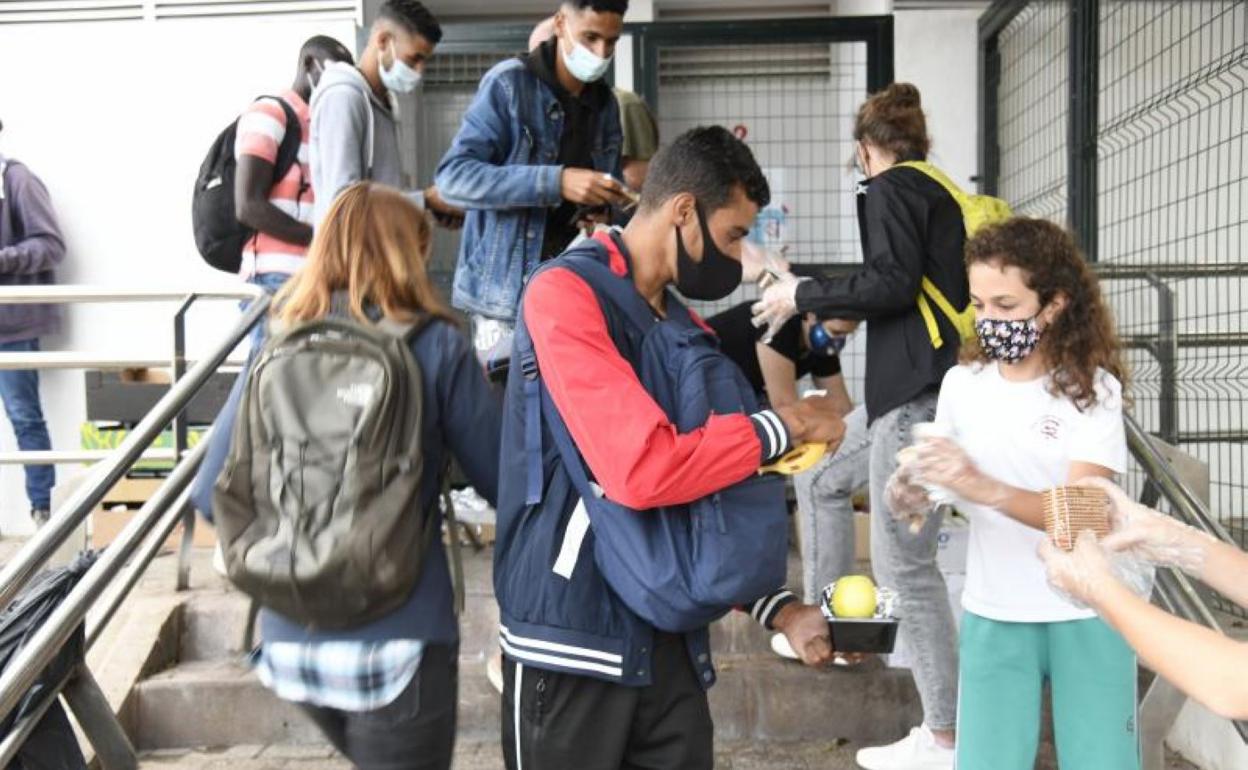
x,y
16,573
82,293
25,667
143,535
70,359
1175,590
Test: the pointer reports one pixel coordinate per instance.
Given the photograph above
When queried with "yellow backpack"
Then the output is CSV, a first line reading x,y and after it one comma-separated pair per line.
x,y
977,212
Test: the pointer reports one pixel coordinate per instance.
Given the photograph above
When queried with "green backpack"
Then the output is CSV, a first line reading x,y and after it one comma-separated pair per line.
x,y
318,504
978,211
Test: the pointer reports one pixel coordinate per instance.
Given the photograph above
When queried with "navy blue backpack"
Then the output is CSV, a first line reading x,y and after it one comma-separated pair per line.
x,y
679,567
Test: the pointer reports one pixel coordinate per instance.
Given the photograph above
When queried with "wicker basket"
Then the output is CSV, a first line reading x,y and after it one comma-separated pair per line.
x,y
1070,510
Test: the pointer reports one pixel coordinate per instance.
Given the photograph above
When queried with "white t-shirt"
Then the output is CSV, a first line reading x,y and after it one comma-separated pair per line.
x,y
1019,433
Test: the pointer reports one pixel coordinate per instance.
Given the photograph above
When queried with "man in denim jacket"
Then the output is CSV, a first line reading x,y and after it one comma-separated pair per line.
x,y
537,155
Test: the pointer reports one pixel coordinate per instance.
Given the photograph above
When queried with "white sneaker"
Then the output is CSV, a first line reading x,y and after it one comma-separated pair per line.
x,y
917,751
218,561
780,646
471,507
494,671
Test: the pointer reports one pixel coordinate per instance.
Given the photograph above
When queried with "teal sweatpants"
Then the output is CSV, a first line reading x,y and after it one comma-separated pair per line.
x,y
1092,676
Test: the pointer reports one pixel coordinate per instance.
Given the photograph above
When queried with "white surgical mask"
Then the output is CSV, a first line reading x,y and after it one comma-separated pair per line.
x,y
400,78
585,65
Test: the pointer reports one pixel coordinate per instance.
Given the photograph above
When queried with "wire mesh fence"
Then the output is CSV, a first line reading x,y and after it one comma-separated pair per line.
x,y
1172,148
1033,110
1171,186
794,105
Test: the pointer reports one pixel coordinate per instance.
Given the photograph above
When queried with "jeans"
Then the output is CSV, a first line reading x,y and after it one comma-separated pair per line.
x,y
825,511
270,282
415,731
906,563
20,390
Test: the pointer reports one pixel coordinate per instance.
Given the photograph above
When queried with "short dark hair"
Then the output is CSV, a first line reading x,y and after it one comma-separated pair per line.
x,y
601,6
414,17
707,162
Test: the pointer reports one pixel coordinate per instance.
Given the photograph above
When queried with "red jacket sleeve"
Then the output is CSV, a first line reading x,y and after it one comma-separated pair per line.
x,y
636,455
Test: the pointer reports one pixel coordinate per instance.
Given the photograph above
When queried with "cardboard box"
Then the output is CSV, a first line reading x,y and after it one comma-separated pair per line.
x,y
122,503
862,536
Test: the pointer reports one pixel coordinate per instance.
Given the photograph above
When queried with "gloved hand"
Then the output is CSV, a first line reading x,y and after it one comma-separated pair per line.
x,y
1154,537
941,462
778,305
1080,574
907,500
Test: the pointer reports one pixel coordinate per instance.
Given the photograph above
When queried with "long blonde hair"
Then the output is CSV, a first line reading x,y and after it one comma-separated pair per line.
x,y
374,244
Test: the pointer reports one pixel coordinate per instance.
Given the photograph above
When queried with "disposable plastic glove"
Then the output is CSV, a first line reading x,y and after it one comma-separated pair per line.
x,y
942,463
907,500
1080,573
1154,537
778,305
1084,573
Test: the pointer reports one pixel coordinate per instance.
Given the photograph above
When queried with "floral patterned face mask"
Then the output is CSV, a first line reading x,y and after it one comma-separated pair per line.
x,y
1007,341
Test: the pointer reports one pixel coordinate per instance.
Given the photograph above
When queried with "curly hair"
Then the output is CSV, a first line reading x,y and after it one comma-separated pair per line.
x,y
892,119
1082,338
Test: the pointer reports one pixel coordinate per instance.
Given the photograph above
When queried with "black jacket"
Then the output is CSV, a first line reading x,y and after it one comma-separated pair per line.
x,y
910,227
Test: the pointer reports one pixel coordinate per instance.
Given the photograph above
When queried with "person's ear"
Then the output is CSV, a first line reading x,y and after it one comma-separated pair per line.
x,y
1054,309
561,23
864,158
683,209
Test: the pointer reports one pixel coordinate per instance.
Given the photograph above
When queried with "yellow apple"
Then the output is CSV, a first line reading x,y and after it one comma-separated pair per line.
x,y
854,597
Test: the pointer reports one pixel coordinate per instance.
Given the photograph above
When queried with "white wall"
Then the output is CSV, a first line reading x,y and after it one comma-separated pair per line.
x,y
115,118
936,50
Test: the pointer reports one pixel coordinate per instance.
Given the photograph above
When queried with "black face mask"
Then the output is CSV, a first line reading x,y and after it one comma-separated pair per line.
x,y
715,277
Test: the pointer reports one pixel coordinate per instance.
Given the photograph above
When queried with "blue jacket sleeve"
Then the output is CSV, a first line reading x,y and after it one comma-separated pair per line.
x,y
474,174
218,448
471,413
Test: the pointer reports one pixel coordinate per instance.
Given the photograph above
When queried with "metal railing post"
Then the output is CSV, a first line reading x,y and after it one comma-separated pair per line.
x,y
180,441
1167,354
90,706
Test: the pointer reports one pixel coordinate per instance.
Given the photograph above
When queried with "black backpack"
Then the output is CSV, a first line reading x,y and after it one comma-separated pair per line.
x,y
219,236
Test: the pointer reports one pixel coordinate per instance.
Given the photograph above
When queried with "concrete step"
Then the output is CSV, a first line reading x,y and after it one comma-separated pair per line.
x,y
222,703
728,756
210,698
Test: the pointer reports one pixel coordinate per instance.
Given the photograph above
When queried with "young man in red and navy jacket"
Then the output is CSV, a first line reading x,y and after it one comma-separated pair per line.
x,y
588,683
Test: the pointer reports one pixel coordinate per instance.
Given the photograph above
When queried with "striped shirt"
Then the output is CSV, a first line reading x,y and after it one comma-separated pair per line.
x,y
260,132
343,675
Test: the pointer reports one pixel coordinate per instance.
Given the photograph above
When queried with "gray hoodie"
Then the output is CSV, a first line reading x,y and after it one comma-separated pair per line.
x,y
31,247
354,137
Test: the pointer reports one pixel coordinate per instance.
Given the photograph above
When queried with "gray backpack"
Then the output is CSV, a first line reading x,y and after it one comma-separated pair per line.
x,y
318,505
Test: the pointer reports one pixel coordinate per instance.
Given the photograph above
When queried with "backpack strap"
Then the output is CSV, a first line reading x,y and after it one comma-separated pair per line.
x,y
452,531
288,150
964,320
622,294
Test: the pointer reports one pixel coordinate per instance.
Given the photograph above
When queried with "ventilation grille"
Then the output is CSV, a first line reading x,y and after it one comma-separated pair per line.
x,y
45,11
200,9
686,63
458,70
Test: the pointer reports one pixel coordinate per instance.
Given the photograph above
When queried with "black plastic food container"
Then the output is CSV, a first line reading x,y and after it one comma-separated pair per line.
x,y
865,635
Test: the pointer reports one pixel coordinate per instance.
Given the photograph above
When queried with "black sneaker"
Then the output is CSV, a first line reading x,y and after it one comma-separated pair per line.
x,y
40,515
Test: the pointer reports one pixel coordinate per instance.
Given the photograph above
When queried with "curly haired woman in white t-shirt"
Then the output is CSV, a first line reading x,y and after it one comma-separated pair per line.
x,y
1037,403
